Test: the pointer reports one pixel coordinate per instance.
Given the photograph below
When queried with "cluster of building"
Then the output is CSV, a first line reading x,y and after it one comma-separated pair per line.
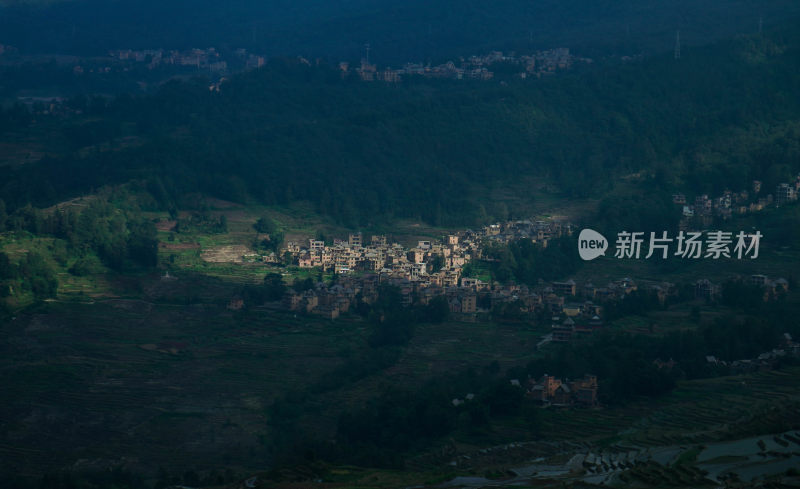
x,y
474,67
705,208
772,288
575,308
764,361
415,264
428,270
540,232
330,302
221,64
370,72
546,61
552,391
209,59
435,268
592,295
379,256
563,331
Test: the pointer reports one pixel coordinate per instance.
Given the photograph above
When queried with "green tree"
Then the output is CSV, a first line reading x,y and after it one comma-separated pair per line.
x,y
38,276
265,225
392,323
274,286
435,264
436,311
7,270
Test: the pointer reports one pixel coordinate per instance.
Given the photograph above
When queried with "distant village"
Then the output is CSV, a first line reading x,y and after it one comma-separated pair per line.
x,y
206,59
768,360
538,64
221,64
428,270
705,208
552,391
575,310
436,268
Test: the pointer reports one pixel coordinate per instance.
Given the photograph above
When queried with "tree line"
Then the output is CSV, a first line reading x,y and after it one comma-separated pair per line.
x,y
85,240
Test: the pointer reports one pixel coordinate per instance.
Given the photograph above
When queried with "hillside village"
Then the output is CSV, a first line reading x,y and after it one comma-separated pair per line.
x,y
538,64
222,63
428,270
476,67
705,208
434,269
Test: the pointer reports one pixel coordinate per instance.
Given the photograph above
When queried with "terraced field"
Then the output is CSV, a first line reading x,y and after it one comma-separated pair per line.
x,y
77,375
191,380
723,408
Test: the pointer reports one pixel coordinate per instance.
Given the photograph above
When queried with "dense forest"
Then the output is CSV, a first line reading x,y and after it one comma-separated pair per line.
x,y
292,132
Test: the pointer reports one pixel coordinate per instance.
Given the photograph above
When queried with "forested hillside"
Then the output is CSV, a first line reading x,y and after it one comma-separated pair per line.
x,y
716,118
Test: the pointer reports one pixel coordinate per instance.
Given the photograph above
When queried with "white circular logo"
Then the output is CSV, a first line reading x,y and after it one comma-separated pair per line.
x,y
591,244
